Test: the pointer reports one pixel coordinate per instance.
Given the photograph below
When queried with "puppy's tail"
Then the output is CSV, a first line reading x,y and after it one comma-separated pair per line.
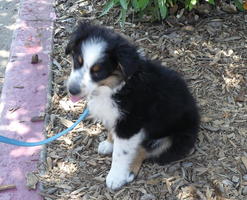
x,y
181,146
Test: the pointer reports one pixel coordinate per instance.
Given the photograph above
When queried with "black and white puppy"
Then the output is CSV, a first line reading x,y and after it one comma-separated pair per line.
x,y
147,108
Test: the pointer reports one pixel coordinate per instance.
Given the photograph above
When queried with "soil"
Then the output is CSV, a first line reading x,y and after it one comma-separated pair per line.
x,y
210,52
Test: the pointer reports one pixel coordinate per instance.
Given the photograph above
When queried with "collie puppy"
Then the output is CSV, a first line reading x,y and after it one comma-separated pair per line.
x,y
147,108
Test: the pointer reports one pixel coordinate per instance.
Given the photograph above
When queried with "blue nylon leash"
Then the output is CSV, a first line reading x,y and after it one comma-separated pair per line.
x,y
48,140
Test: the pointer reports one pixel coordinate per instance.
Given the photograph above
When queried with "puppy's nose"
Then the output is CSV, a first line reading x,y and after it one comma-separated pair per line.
x,y
74,89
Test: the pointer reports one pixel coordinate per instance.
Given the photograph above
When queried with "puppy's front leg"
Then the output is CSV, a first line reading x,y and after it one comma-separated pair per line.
x,y
124,155
106,147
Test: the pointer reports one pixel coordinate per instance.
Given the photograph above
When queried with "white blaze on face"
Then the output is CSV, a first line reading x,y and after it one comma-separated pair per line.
x,y
92,52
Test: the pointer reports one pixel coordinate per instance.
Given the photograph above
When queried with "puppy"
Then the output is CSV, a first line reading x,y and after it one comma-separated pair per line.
x,y
147,108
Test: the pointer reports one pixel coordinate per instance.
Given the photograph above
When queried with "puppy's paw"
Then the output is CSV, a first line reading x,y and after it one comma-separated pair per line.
x,y
116,179
105,148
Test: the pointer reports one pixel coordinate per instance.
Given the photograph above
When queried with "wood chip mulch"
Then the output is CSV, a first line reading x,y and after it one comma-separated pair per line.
x,y
211,54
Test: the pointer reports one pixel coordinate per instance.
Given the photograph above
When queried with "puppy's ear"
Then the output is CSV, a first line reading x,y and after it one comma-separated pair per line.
x,y
82,31
70,46
127,58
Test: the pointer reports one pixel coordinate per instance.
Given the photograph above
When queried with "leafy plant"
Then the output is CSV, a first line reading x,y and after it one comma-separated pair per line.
x,y
158,9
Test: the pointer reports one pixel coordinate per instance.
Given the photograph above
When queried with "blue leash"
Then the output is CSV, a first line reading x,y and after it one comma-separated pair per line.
x,y
31,144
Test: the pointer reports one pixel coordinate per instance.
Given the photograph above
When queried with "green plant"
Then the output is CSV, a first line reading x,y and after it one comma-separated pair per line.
x,y
158,9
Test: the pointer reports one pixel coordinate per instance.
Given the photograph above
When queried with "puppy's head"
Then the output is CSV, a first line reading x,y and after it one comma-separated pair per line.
x,y
100,57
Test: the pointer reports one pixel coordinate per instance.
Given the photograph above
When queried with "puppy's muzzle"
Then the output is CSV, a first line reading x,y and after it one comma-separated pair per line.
x,y
74,89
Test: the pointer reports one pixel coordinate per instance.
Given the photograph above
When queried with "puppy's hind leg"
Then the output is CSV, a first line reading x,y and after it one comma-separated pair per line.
x,y
137,162
106,147
125,161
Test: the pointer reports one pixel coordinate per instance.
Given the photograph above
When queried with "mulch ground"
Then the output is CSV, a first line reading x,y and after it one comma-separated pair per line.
x,y
211,54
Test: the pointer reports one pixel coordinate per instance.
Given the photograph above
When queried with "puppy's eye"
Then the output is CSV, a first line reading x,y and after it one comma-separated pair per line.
x,y
96,68
80,60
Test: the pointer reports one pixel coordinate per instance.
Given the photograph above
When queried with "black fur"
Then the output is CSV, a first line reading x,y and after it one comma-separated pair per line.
x,y
154,98
157,100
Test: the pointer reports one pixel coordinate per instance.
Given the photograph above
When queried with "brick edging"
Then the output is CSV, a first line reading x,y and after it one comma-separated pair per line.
x,y
24,95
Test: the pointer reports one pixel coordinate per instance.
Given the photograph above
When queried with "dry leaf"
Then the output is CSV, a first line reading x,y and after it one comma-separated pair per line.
x,y
31,181
245,5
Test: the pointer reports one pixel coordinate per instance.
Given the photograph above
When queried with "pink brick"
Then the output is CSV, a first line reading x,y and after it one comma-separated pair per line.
x,y
24,96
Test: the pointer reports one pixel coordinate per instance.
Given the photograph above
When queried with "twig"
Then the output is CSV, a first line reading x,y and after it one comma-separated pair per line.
x,y
7,187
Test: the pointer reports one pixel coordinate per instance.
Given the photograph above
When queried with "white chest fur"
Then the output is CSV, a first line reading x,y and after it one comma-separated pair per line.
x,y
103,108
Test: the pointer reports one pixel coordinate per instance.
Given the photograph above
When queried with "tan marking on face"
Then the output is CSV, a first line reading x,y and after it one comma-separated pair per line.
x,y
113,80
96,68
141,155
